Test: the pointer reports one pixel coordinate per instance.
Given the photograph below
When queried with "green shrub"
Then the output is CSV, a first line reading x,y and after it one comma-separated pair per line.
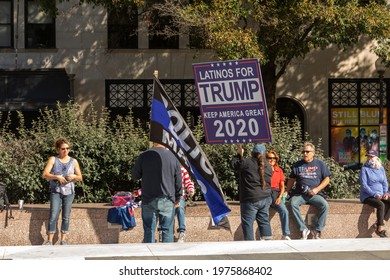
x,y
107,148
287,141
104,148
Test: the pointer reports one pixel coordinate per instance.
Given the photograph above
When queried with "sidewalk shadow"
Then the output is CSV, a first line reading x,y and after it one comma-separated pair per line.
x,y
364,228
38,225
105,233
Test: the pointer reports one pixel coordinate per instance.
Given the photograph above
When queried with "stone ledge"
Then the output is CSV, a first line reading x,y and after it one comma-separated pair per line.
x,y
346,219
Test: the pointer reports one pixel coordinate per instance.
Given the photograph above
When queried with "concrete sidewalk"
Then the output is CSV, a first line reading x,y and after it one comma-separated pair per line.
x,y
324,249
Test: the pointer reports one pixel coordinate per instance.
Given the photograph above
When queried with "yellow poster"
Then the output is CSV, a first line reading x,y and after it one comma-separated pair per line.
x,y
344,116
350,116
370,116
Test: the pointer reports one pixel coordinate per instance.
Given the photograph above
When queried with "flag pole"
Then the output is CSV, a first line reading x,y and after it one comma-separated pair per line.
x,y
155,74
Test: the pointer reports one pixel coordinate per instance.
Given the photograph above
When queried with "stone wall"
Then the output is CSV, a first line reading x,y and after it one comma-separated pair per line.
x,y
346,219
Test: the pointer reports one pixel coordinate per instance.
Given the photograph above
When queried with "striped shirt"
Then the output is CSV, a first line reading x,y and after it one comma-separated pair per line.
x,y
187,183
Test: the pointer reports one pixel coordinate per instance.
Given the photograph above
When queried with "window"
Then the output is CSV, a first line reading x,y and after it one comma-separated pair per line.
x,y
355,126
137,95
40,27
289,108
123,28
27,91
6,27
158,38
33,89
197,39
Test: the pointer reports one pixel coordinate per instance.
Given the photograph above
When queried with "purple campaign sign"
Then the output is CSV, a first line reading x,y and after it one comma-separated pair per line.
x,y
232,101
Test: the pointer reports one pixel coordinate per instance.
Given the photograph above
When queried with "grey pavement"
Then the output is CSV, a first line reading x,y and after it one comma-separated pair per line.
x,y
324,249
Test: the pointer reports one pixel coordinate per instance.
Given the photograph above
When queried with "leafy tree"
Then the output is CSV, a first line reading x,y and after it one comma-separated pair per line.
x,y
275,31
383,50
279,31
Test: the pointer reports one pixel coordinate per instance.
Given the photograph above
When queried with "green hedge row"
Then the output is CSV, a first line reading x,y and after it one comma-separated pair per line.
x,y
107,148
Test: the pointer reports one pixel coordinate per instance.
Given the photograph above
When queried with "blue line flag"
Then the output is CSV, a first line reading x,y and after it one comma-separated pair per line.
x,y
168,128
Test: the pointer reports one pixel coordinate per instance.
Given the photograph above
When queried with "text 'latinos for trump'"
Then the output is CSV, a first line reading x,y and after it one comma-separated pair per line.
x,y
232,101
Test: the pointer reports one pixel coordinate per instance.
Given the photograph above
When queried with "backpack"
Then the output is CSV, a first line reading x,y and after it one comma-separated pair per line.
x,y
4,203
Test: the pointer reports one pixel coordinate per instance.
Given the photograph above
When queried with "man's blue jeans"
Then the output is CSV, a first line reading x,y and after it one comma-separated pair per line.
x,y
259,211
56,201
318,202
160,209
283,215
180,214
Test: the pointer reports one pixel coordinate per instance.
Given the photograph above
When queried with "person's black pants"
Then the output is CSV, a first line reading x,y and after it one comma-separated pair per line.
x,y
381,206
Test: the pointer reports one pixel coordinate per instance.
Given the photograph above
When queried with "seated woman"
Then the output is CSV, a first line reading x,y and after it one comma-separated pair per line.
x,y
277,188
373,189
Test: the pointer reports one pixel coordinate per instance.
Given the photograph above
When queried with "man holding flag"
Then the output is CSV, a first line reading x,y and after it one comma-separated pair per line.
x,y
160,174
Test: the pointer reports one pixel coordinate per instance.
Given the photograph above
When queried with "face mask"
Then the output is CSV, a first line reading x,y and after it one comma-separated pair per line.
x,y
374,163
371,163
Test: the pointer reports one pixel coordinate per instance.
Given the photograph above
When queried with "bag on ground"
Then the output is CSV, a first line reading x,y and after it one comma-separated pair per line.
x,y
122,215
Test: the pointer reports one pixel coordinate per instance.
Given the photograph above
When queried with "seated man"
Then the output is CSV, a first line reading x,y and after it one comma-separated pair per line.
x,y
311,176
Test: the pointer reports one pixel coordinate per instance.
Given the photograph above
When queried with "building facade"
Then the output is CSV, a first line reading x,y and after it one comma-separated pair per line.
x,y
83,55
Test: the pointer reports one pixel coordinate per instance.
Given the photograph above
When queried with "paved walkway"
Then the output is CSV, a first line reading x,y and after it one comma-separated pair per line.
x,y
324,249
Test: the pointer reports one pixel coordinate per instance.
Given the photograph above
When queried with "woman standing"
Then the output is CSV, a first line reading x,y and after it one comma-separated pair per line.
x,y
254,191
277,188
373,189
62,171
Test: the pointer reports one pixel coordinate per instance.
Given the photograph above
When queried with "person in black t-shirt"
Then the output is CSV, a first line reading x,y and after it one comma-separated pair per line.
x,y
160,174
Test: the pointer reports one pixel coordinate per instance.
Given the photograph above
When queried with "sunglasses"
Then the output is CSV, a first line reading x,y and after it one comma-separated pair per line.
x,y
306,152
63,149
271,157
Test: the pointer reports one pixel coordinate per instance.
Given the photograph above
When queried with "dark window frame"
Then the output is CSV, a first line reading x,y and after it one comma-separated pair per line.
x,y
122,34
123,96
9,24
39,35
157,38
29,90
361,94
